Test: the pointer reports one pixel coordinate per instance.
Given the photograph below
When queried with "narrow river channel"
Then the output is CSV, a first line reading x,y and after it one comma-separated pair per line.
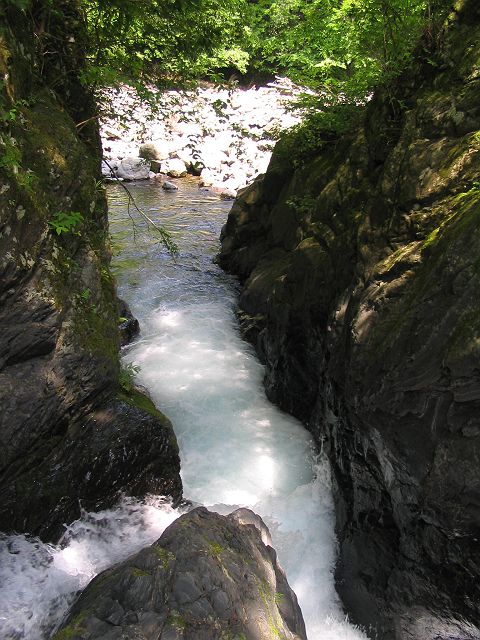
x,y
236,448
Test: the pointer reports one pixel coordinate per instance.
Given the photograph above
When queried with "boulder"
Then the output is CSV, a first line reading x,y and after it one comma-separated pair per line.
x,y
211,154
208,177
134,169
106,171
175,168
187,155
209,577
153,151
361,276
126,446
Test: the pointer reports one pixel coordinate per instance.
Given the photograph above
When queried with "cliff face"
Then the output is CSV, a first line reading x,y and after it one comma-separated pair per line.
x,y
68,432
361,270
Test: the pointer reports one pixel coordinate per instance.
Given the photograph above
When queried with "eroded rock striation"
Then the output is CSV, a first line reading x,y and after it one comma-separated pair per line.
x,y
361,275
208,577
69,434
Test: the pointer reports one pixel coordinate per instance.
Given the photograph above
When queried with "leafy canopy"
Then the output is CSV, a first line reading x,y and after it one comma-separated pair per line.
x,y
337,46
161,40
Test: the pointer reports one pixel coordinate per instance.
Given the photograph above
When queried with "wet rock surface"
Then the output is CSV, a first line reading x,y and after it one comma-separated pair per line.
x,y
123,447
208,577
59,370
128,327
360,293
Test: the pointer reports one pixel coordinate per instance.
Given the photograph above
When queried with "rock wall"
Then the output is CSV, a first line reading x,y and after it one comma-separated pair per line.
x,y
69,434
208,577
361,277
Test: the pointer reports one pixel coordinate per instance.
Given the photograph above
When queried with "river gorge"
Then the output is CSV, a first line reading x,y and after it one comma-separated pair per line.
x,y
236,449
314,346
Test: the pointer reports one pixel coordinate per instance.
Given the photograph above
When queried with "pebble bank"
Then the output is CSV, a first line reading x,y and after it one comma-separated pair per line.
x,y
224,135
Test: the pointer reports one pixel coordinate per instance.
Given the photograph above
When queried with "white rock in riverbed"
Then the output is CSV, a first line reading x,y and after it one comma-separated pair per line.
x,y
134,169
174,167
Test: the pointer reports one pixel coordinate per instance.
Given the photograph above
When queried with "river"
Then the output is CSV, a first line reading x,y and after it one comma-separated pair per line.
x,y
236,448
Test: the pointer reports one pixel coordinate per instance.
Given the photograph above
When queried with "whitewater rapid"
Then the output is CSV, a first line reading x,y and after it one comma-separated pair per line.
x,y
236,448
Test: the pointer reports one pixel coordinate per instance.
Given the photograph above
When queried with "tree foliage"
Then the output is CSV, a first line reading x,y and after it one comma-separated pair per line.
x,y
342,49
340,45
162,40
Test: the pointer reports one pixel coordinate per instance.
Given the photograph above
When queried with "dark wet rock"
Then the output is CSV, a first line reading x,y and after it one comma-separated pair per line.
x,y
361,279
128,327
66,438
208,577
124,447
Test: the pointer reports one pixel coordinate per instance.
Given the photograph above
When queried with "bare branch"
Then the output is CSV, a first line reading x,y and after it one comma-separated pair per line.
x,y
165,236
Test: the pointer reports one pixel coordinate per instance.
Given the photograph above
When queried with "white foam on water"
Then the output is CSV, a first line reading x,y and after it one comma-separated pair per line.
x,y
237,449
38,581
301,524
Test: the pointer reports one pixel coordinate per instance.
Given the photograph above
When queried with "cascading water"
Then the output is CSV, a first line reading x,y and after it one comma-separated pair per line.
x,y
236,448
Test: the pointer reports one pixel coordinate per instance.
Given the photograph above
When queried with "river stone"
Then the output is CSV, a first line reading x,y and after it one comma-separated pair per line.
x,y
208,577
169,186
226,193
152,151
134,169
212,155
208,177
174,167
106,171
187,156
361,278
202,126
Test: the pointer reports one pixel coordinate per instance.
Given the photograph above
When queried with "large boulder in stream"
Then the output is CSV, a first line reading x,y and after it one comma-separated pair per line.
x,y
360,263
208,577
70,435
133,169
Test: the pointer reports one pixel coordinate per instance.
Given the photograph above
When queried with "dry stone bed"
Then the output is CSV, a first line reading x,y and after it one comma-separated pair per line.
x,y
223,135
